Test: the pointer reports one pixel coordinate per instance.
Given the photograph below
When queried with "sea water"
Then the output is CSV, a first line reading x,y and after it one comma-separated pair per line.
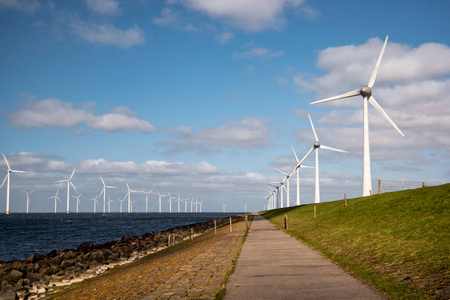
x,y
39,233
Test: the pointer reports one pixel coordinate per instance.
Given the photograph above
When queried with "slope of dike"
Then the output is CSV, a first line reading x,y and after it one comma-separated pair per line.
x,y
398,242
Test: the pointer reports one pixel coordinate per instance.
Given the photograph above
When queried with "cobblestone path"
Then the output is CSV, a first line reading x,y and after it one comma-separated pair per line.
x,y
193,269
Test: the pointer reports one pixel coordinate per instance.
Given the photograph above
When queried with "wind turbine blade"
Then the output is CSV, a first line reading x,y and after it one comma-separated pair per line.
x,y
281,172
127,185
295,154
342,96
73,186
62,180
102,181
70,178
333,149
314,131
7,163
7,174
375,71
111,187
378,107
307,154
17,171
303,166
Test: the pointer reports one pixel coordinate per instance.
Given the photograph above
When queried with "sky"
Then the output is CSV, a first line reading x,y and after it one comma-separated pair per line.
x,y
204,98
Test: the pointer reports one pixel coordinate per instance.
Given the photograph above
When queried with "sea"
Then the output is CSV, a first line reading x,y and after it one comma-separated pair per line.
x,y
39,233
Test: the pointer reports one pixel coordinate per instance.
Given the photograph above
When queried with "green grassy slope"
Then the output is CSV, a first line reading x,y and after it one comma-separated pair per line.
x,y
398,242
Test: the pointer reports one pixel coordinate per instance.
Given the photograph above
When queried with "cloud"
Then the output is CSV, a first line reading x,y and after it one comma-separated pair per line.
x,y
225,37
25,6
249,15
259,52
248,133
54,113
107,34
103,7
172,19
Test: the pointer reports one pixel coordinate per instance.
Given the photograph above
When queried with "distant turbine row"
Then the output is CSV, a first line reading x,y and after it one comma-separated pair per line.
x,y
198,204
366,93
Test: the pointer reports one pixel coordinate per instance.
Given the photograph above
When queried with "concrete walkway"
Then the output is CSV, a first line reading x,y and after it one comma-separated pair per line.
x,y
274,265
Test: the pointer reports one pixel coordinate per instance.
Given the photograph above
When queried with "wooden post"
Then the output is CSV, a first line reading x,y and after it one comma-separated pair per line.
x,y
246,221
168,241
379,186
173,238
286,225
215,226
231,225
345,197
314,211
423,184
370,192
192,233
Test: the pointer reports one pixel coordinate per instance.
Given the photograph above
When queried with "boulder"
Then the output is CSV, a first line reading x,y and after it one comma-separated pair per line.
x,y
14,276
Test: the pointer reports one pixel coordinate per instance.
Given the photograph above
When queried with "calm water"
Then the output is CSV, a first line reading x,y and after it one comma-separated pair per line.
x,y
24,234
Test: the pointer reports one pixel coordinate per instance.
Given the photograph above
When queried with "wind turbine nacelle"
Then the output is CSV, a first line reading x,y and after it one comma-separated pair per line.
x,y
366,92
316,145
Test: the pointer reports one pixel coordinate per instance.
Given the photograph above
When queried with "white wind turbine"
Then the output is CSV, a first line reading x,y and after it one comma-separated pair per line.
x,y
170,202
146,199
121,201
28,198
129,191
7,177
201,205
95,203
297,169
286,179
316,147
223,207
56,199
78,200
109,204
366,93
185,203
179,200
159,200
69,183
104,193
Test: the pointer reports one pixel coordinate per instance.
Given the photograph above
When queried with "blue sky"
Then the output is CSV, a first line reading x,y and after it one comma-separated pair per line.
x,y
205,97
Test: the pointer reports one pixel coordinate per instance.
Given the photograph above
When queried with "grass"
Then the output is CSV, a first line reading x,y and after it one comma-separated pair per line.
x,y
398,242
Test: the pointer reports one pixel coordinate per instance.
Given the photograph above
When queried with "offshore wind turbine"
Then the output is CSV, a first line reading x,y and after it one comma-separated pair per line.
x,y
316,147
297,169
170,202
121,201
146,199
28,198
129,195
366,93
69,183
8,177
78,200
179,200
95,202
159,200
56,199
104,193
109,204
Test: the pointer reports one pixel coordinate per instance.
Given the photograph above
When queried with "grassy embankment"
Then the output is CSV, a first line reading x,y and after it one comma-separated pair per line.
x,y
398,242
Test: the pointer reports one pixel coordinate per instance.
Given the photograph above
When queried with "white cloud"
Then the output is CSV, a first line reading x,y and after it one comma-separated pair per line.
x,y
172,19
25,6
103,7
249,15
54,113
225,37
245,134
107,34
259,52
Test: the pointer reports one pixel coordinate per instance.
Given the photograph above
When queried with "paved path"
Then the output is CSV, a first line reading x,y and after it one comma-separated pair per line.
x,y
274,265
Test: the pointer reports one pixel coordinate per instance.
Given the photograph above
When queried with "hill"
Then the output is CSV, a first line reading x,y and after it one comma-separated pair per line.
x,y
398,242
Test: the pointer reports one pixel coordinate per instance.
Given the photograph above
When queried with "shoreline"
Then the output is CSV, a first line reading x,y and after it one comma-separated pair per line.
x,y
39,274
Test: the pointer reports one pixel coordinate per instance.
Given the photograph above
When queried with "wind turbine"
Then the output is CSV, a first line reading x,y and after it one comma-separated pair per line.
x,y
121,201
286,179
146,199
170,202
179,200
69,183
185,203
95,202
8,176
276,192
28,198
129,195
78,200
109,204
159,200
201,205
56,198
316,147
223,207
104,193
297,169
366,93
245,207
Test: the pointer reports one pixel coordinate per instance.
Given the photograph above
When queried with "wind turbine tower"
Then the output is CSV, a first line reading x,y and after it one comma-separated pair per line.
x,y
69,183
366,93
7,177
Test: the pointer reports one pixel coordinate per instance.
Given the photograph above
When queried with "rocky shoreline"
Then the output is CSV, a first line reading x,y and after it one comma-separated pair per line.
x,y
40,274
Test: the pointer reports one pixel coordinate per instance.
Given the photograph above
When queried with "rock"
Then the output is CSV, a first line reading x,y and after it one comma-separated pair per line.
x,y
8,293
14,276
67,263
